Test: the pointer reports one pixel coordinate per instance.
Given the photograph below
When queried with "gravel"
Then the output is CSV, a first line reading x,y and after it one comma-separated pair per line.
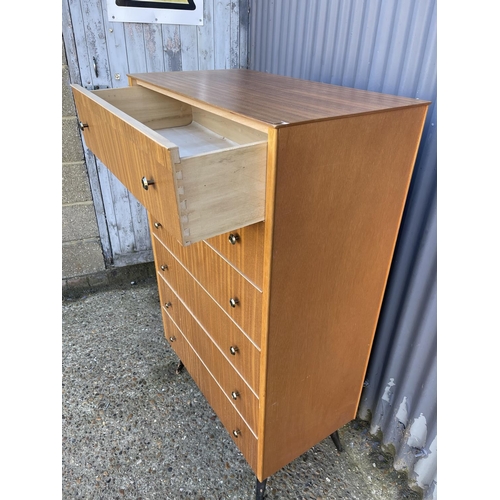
x,y
132,428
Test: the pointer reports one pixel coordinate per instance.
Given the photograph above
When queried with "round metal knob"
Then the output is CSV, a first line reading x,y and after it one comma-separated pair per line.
x,y
168,304
147,182
164,267
235,394
157,225
233,350
83,125
172,339
233,301
233,238
236,433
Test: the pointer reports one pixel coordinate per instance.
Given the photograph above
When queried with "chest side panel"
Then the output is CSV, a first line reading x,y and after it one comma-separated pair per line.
x,y
341,186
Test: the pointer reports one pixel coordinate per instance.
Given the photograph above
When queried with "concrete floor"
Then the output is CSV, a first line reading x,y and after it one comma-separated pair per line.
x,y
134,429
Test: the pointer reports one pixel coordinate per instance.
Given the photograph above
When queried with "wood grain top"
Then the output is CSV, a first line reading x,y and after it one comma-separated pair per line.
x,y
272,99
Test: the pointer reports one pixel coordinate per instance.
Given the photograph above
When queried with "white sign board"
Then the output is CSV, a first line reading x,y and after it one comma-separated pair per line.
x,y
156,11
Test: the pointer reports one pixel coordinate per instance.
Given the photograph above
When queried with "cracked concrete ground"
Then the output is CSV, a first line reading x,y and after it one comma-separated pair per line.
x,y
134,429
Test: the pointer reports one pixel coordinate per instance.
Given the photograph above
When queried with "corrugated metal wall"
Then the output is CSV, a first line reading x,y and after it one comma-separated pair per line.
x,y
386,46
120,48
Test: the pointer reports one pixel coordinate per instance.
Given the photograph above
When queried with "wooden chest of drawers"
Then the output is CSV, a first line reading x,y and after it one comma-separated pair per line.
x,y
274,206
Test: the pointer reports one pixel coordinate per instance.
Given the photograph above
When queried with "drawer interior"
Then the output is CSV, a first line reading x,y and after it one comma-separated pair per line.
x,y
193,130
194,139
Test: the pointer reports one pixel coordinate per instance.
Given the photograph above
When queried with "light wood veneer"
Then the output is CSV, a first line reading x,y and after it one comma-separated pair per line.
x,y
313,179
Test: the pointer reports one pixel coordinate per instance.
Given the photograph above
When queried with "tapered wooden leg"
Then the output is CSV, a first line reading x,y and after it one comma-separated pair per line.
x,y
336,440
260,489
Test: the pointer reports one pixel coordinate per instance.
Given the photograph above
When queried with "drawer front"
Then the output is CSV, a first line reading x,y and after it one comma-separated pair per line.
x,y
197,195
244,439
131,152
233,385
220,280
244,249
222,330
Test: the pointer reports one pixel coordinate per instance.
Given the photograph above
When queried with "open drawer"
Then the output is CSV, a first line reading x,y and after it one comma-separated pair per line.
x,y
198,173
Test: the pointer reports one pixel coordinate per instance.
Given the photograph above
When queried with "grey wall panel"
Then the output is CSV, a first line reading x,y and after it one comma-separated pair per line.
x,y
385,46
120,48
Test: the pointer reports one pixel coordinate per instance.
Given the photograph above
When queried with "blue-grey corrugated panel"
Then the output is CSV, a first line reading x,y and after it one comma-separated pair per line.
x,y
385,46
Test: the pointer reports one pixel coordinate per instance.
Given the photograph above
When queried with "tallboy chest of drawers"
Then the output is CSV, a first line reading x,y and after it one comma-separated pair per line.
x,y
274,206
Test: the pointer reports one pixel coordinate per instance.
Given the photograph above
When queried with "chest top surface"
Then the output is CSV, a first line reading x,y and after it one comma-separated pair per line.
x,y
272,99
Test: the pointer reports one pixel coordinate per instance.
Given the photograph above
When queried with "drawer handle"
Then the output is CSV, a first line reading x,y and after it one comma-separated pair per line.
x,y
235,395
233,350
168,304
236,433
147,182
83,126
233,238
164,267
157,225
172,339
233,301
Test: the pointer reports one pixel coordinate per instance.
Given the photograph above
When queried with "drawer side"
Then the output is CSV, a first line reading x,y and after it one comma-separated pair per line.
x,y
226,194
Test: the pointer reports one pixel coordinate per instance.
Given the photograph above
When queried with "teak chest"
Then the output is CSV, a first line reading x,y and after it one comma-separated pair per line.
x,y
274,206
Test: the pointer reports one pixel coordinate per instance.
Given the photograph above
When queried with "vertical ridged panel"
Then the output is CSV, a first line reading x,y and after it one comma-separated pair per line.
x,y
390,47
